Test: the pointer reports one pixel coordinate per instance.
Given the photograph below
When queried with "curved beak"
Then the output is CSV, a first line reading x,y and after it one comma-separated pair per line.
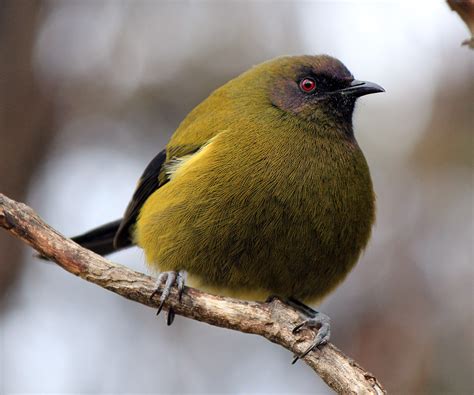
x,y
360,88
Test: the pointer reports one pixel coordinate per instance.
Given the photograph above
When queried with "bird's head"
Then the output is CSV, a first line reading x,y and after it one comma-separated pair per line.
x,y
317,89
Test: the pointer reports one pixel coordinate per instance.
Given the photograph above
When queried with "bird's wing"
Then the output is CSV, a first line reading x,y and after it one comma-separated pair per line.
x,y
148,183
154,176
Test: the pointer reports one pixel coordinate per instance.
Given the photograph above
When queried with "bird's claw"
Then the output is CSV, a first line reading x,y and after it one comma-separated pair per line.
x,y
321,322
170,279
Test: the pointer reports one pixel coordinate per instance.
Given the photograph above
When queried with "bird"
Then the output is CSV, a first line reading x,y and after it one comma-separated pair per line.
x,y
262,191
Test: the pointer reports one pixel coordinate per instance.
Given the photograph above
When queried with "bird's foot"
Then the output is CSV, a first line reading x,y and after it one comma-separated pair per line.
x,y
318,321
169,279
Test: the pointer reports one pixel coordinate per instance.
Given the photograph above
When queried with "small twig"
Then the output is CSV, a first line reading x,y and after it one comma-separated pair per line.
x,y
465,9
273,320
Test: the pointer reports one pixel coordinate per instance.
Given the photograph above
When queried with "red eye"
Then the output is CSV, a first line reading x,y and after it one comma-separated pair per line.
x,y
307,85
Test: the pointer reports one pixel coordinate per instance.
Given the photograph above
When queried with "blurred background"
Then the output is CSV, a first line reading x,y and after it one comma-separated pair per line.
x,y
92,90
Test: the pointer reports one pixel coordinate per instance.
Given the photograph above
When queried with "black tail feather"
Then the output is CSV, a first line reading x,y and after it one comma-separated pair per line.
x,y
101,239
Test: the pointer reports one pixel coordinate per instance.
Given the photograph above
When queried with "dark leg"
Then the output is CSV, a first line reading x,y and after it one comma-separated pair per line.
x,y
170,279
300,306
271,298
317,320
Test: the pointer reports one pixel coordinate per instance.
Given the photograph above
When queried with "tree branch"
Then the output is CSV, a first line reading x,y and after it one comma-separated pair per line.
x,y
274,320
465,9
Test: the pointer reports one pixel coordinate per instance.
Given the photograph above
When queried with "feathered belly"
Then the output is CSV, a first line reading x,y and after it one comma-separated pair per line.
x,y
260,232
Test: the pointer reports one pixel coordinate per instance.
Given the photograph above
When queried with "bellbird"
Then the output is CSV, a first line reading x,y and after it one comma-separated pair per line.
x,y
262,190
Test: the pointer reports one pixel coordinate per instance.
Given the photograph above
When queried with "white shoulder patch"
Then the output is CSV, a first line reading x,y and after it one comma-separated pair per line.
x,y
175,163
173,167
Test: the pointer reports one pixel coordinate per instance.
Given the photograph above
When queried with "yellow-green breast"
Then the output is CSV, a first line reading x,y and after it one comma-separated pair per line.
x,y
271,204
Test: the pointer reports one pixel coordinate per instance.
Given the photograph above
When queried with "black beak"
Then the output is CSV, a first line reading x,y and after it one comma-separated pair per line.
x,y
360,88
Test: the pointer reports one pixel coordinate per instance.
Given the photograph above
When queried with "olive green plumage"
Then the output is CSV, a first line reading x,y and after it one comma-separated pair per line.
x,y
264,190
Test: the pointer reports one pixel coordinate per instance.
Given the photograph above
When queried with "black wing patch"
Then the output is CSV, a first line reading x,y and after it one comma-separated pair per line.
x,y
149,183
151,179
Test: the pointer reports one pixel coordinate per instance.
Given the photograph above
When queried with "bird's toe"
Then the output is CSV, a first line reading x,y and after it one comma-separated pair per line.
x,y
165,282
322,323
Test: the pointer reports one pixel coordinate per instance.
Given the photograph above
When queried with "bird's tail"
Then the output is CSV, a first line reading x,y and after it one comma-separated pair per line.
x,y
101,239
